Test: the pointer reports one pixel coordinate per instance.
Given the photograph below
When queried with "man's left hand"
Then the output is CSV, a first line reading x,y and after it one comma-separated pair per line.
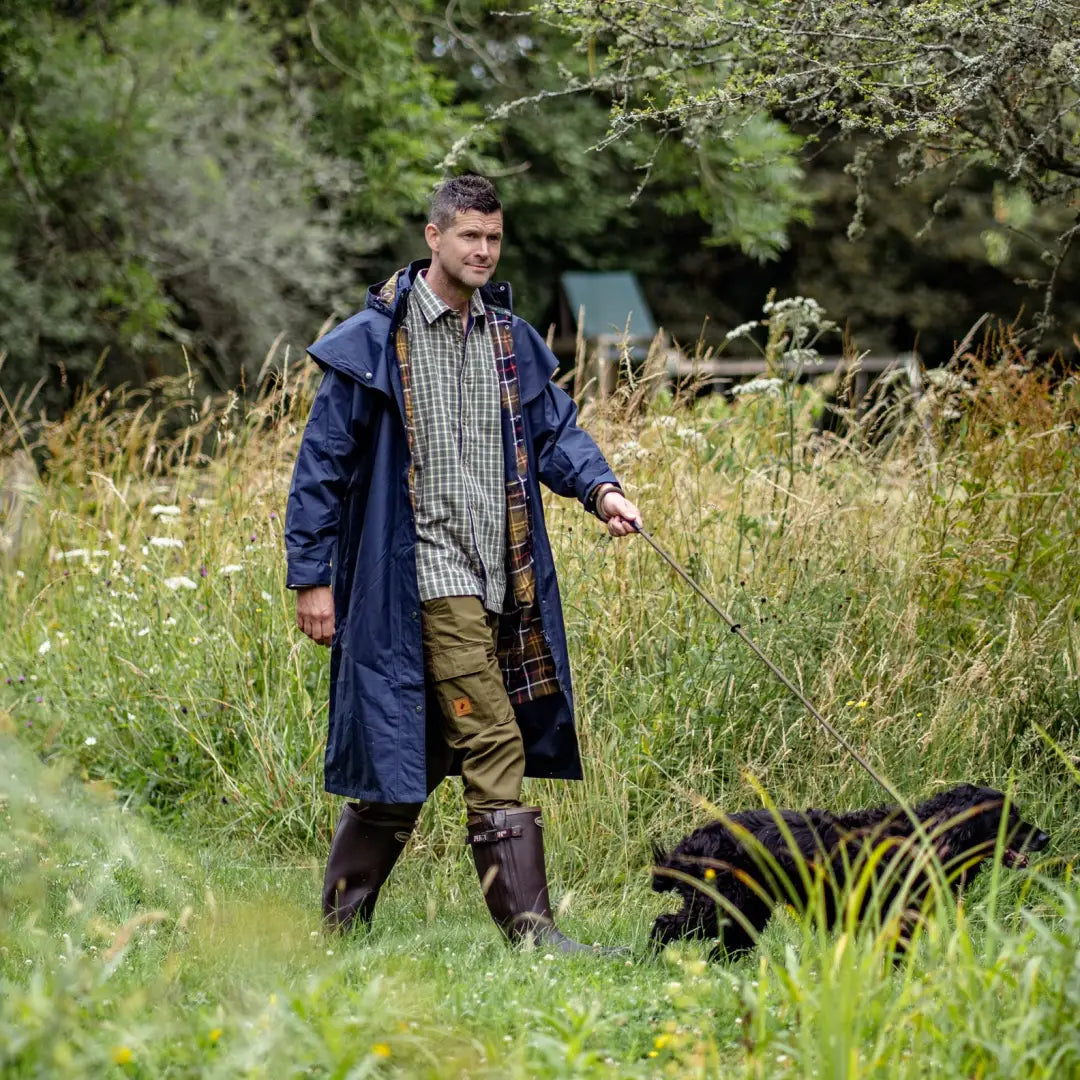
x,y
621,516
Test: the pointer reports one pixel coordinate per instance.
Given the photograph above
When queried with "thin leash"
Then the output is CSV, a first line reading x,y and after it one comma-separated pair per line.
x,y
737,629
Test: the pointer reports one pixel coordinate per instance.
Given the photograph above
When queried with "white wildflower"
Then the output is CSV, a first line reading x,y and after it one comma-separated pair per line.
x,y
143,632
771,387
690,435
166,542
158,510
74,553
44,647
232,568
266,596
802,357
666,421
90,741
19,574
170,621
179,583
742,330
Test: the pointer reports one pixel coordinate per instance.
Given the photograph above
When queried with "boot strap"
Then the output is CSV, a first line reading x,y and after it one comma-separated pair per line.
x,y
493,835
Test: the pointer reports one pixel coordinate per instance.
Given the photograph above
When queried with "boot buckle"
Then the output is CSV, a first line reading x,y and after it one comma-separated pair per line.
x,y
493,835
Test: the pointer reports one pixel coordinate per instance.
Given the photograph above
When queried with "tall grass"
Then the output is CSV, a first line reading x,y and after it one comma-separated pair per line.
x,y
926,602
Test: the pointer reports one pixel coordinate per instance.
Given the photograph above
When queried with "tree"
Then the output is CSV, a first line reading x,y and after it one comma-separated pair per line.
x,y
949,86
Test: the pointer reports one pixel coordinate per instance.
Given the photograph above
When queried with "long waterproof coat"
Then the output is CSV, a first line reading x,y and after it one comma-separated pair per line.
x,y
350,523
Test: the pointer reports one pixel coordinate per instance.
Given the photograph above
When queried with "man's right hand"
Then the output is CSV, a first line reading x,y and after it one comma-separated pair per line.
x,y
315,613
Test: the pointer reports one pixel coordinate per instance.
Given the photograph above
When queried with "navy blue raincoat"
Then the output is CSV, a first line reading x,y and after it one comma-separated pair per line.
x,y
350,523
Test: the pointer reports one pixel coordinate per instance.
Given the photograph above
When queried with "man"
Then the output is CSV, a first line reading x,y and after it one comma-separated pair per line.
x,y
416,494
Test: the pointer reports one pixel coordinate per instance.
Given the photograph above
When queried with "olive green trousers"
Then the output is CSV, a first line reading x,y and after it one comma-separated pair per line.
x,y
476,719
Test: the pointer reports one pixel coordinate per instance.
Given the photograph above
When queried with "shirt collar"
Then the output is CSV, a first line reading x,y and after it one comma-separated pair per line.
x,y
433,306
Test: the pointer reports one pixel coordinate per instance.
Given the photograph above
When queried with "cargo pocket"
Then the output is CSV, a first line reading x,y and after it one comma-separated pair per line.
x,y
456,662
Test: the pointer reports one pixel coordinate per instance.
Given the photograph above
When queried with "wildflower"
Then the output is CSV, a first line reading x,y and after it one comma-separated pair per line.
x,y
232,568
122,1055
266,596
44,647
802,357
164,511
861,704
74,553
710,873
179,583
202,571
39,699
380,1050
166,542
769,387
90,740
215,1034
661,1041
742,330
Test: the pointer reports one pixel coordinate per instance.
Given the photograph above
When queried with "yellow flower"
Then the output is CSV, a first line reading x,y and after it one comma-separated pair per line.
x,y
861,704
215,1034
121,1055
380,1050
652,1053
661,1041
710,873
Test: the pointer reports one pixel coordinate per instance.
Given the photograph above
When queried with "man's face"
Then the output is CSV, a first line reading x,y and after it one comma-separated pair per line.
x,y
467,251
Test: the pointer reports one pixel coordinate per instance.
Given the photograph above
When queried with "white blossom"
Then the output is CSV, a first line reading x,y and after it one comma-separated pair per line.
x,y
179,583
90,741
232,568
159,510
771,387
44,647
166,542
742,330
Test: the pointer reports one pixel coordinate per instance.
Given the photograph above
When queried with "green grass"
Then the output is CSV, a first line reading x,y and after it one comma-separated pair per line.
x,y
162,820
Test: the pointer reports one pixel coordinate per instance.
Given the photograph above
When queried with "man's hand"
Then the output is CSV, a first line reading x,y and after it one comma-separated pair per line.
x,y
315,613
618,512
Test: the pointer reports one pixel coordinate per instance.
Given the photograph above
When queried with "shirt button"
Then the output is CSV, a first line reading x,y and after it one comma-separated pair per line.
x,y
367,375
419,708
413,615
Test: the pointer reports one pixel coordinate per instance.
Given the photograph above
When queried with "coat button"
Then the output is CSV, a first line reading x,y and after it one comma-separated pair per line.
x,y
419,708
413,615
367,375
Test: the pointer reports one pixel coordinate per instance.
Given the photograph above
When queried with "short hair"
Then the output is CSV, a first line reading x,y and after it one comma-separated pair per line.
x,y
461,193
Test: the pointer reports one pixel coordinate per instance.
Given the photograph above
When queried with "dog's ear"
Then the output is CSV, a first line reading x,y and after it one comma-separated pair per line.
x,y
659,855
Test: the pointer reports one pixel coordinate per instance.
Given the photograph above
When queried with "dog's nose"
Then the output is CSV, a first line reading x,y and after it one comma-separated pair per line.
x,y
1039,840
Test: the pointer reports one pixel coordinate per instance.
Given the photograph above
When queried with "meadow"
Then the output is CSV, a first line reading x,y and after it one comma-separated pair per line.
x,y
163,824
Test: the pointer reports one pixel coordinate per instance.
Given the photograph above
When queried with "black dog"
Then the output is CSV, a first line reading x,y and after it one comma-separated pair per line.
x,y
756,864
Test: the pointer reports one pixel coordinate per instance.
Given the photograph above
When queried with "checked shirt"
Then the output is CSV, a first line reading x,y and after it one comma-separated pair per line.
x,y
459,484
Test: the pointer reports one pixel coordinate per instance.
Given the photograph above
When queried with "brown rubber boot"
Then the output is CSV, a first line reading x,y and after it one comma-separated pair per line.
x,y
361,858
508,849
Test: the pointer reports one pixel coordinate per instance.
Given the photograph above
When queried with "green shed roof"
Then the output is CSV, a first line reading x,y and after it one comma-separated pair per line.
x,y
609,300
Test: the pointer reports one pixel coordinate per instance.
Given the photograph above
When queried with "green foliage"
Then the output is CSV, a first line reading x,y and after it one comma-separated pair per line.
x,y
157,194
963,86
930,612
